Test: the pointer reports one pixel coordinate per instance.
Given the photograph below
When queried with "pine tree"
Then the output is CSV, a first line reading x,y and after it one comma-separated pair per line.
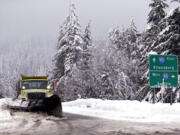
x,y
132,41
157,12
86,54
85,65
168,43
115,37
68,56
133,37
155,17
123,73
132,31
87,37
169,37
69,45
126,40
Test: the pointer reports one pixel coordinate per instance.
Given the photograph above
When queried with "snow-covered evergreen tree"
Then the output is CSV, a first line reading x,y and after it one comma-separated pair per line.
x,y
131,36
155,17
122,64
85,55
133,39
168,42
126,40
169,37
115,36
69,45
156,14
85,68
73,58
132,32
87,36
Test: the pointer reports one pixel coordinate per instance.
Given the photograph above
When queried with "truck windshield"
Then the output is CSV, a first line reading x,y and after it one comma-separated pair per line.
x,y
34,84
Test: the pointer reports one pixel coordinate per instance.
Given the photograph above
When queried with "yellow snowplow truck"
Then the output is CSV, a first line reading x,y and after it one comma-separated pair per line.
x,y
36,93
33,87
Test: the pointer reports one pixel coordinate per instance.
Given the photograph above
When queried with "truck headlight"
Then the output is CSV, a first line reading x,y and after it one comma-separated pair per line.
x,y
48,87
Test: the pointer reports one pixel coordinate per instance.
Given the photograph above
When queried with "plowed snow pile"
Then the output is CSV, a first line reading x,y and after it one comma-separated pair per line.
x,y
125,110
4,113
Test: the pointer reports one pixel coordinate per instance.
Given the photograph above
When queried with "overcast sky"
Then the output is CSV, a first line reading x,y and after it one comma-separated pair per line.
x,y
31,18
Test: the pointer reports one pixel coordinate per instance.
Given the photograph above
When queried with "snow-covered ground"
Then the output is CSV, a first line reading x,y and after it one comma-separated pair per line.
x,y
115,110
4,114
168,118
125,110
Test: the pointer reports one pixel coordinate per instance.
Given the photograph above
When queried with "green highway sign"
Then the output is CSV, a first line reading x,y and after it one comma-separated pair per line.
x,y
163,70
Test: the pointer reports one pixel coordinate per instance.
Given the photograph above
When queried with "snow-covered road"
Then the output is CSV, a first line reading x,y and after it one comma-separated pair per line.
x,y
24,123
121,118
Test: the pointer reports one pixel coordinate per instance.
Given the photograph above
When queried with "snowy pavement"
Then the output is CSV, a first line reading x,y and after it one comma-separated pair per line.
x,y
115,110
125,110
121,118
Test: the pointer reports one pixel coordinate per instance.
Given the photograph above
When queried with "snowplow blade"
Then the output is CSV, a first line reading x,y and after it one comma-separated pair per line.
x,y
17,108
51,105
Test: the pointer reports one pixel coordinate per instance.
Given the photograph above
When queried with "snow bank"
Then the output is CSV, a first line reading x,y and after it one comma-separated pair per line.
x,y
125,110
4,114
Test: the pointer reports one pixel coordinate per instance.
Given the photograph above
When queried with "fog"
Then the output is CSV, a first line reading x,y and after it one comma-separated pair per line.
x,y
29,31
21,19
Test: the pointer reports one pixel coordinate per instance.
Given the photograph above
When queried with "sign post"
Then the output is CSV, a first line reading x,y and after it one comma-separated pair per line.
x,y
153,95
163,71
171,100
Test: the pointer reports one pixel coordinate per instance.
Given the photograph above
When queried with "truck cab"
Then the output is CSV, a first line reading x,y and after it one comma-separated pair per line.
x,y
33,87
